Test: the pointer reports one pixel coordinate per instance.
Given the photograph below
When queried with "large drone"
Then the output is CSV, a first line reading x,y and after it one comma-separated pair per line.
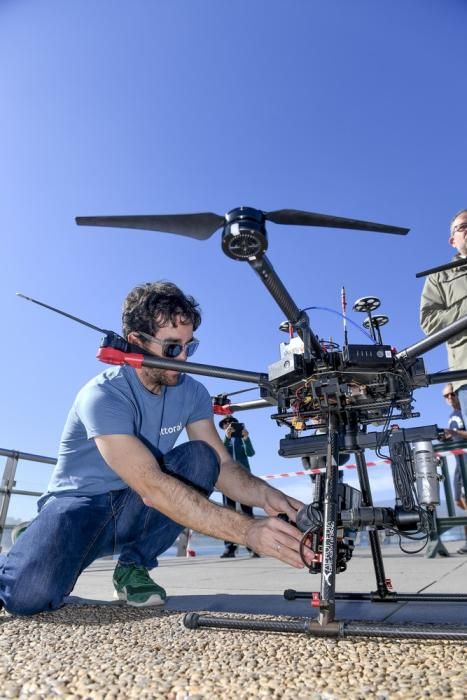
x,y
326,397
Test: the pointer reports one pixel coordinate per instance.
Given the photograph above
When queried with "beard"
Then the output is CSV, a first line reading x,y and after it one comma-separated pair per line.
x,y
153,379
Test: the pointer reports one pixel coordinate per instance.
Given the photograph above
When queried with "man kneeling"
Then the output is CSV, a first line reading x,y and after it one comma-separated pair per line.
x,y
120,485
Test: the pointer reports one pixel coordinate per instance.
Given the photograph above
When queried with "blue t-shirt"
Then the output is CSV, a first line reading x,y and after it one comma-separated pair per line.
x,y
116,403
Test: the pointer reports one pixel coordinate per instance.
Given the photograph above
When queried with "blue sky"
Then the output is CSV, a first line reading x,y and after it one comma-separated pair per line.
x,y
354,109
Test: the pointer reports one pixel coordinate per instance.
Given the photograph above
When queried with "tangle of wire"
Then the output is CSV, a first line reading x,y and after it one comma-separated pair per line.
x,y
423,528
386,428
405,490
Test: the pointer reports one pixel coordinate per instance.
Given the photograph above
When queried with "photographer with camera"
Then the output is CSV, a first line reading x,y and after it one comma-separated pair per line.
x,y
120,485
238,444
444,300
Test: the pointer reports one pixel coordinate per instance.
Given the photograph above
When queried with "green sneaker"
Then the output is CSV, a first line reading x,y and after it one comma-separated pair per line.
x,y
133,584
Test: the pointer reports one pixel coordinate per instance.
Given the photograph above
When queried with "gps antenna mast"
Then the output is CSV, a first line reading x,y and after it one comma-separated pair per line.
x,y
344,313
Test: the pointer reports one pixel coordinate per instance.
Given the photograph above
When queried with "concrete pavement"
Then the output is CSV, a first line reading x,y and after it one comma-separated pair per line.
x,y
256,586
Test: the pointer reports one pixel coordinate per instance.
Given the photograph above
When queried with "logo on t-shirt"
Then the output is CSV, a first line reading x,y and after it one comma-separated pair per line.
x,y
172,429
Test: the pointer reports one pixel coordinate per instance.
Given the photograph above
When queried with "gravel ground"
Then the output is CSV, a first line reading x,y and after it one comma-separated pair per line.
x,y
105,652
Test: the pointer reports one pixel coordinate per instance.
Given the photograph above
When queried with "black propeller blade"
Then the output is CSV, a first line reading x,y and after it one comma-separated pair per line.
x,y
203,225
200,226
308,218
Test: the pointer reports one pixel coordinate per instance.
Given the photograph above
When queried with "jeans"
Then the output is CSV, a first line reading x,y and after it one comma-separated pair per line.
x,y
71,531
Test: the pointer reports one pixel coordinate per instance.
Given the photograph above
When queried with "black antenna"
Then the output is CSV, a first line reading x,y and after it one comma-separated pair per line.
x,y
63,313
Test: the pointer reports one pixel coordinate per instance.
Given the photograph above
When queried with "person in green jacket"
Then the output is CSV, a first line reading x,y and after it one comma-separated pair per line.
x,y
238,444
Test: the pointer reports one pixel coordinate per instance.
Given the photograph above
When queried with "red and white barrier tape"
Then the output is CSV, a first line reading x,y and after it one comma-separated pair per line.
x,y
317,470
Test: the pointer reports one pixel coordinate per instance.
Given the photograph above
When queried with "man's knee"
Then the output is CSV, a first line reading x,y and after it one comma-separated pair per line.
x,y
207,455
28,605
25,594
195,462
42,566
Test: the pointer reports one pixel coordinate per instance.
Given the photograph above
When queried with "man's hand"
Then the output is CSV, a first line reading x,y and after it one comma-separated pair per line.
x,y
462,503
455,434
274,537
277,502
231,428
451,434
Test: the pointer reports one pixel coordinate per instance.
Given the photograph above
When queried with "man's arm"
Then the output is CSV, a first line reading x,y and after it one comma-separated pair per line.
x,y
239,484
136,465
455,433
435,314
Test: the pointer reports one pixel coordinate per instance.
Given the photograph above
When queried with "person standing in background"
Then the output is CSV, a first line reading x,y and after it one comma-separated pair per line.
x,y
444,300
238,444
456,431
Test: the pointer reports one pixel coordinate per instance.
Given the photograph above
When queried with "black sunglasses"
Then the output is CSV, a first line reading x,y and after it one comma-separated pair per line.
x,y
171,349
450,395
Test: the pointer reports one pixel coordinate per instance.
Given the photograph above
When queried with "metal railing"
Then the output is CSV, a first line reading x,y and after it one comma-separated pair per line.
x,y
8,481
436,546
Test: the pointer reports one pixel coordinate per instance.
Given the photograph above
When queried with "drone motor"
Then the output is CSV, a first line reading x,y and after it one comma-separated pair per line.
x,y
244,236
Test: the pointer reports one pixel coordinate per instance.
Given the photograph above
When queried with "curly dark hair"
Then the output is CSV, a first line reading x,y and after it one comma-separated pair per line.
x,y
152,305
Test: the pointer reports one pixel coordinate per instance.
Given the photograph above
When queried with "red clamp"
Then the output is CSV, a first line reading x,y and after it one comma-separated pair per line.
x,y
112,356
221,405
222,410
315,600
388,583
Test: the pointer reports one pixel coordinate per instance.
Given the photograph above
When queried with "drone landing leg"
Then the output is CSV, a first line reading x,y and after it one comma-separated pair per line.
x,y
382,592
327,604
367,500
335,630
325,625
